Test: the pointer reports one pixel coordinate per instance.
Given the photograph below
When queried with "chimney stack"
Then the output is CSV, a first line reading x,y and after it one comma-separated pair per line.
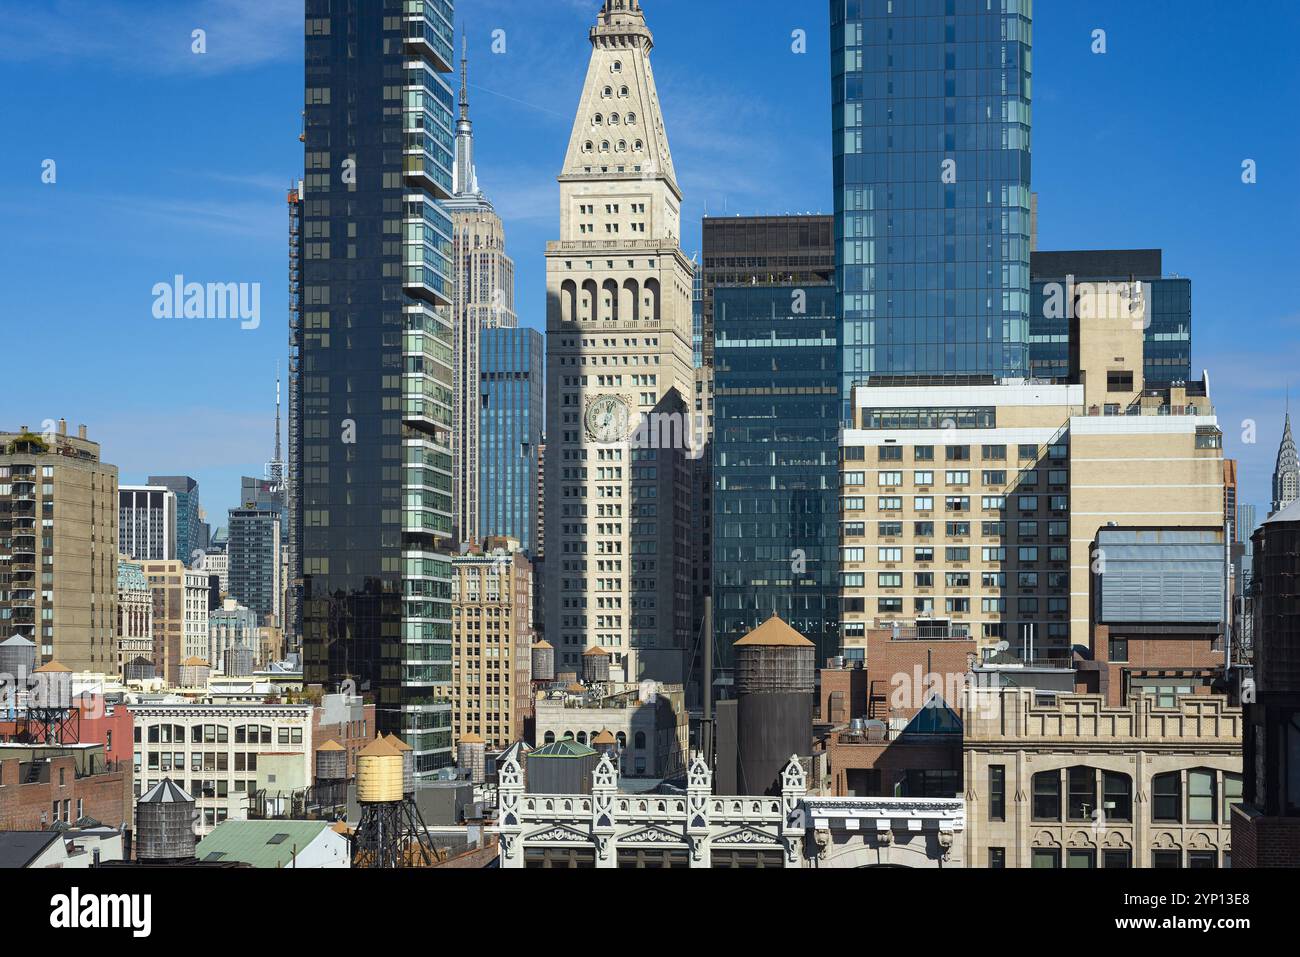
x,y
63,426
81,431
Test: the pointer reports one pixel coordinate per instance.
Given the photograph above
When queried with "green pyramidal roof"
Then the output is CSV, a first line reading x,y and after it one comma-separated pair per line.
x,y
564,748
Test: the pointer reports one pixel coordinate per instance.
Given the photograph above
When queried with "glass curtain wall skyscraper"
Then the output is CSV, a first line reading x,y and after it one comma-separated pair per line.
x,y
931,118
510,409
189,527
373,500
775,463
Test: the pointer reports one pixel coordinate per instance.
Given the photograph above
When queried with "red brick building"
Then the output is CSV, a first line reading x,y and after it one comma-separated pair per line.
x,y
41,786
893,723
1164,664
96,722
108,724
345,720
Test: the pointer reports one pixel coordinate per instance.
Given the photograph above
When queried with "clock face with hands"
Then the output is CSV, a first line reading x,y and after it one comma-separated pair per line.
x,y
607,419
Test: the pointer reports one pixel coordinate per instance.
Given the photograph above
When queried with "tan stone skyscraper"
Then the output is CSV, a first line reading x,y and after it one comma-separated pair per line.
x,y
484,297
58,564
618,351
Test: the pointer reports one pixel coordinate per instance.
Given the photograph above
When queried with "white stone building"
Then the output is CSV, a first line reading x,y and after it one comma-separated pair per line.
x,y
609,829
213,752
619,353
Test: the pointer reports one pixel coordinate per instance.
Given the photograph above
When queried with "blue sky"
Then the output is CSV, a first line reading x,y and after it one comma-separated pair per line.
x,y
169,162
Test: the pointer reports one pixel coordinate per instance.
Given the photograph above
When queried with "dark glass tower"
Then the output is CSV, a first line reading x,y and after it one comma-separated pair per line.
x,y
775,463
931,117
511,408
373,504
761,251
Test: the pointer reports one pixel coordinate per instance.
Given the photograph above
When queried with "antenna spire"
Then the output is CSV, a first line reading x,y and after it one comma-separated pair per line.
x,y
275,468
464,77
466,182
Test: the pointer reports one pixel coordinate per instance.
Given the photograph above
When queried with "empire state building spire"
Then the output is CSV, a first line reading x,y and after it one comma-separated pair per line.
x,y
466,178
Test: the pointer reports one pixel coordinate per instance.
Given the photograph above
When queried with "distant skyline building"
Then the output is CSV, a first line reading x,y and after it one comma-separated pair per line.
x,y
230,626
776,274
511,405
189,522
261,492
1167,339
931,146
374,351
254,572
147,522
1230,498
483,299
697,318
134,614
180,615
1286,476
1246,522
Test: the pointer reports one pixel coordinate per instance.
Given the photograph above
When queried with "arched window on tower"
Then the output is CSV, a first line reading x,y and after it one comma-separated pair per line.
x,y
568,300
609,301
650,300
627,300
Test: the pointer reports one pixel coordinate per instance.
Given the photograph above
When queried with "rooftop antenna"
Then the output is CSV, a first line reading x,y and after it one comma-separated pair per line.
x,y
275,468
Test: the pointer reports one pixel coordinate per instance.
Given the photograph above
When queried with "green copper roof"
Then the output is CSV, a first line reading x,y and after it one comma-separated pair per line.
x,y
259,843
564,748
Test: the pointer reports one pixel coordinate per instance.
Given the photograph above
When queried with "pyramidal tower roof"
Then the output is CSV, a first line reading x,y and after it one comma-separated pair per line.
x,y
1286,476
619,122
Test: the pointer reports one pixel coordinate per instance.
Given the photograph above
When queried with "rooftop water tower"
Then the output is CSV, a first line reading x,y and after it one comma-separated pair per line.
x,y
391,833
164,821
774,703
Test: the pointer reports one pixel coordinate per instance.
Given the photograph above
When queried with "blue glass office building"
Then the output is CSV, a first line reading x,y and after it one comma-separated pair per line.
x,y
189,527
372,344
931,119
511,412
775,453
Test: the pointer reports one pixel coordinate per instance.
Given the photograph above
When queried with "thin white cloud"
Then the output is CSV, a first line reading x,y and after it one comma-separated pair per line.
x,y
157,38
260,220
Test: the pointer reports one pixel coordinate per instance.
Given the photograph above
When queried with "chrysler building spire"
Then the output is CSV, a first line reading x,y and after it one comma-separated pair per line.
x,y
1286,477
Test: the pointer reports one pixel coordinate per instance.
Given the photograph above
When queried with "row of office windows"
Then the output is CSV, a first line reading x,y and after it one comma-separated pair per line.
x,y
1194,796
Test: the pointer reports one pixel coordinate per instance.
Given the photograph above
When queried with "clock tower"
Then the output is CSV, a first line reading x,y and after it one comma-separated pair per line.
x,y
620,382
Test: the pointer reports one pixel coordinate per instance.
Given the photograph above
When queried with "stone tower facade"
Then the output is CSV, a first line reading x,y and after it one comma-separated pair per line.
x,y
619,378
